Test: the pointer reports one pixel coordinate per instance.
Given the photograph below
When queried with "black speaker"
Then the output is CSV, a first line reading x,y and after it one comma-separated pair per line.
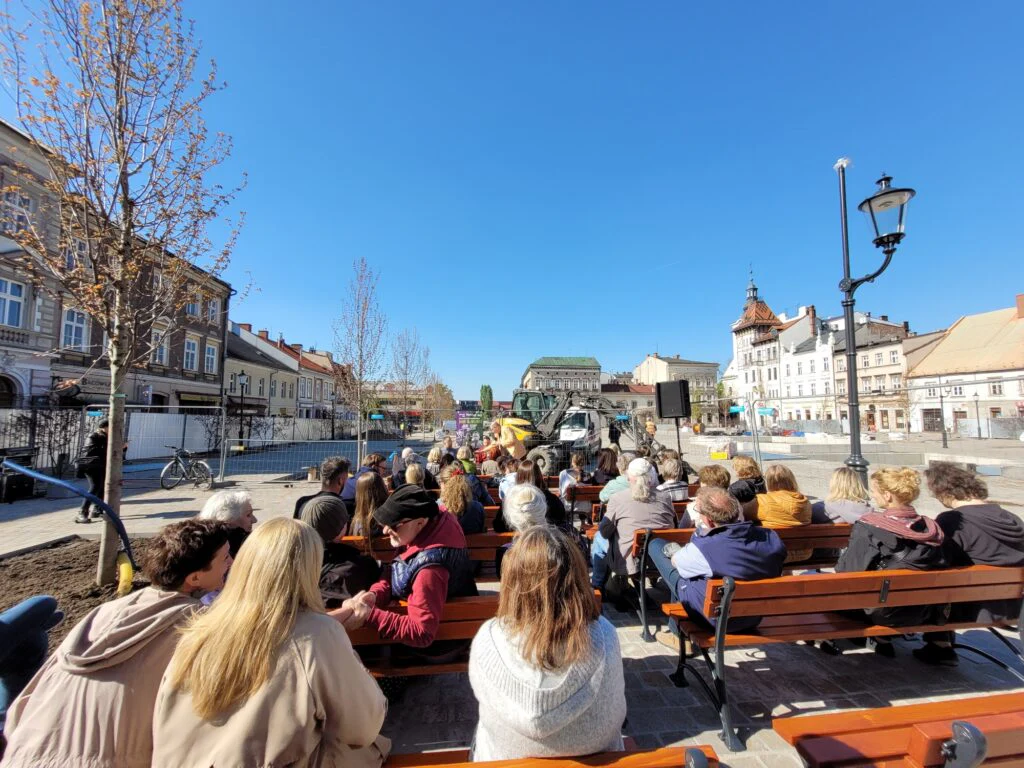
x,y
673,399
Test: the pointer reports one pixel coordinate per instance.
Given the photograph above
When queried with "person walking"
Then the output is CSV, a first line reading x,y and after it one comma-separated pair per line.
x,y
93,467
614,433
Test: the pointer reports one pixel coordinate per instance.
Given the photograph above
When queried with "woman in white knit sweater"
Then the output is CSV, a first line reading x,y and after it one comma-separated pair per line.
x,y
547,670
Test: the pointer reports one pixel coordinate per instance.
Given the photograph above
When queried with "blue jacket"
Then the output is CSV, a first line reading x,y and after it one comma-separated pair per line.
x,y
743,551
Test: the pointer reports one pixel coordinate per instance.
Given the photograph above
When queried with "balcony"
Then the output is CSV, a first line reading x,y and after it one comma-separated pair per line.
x,y
12,336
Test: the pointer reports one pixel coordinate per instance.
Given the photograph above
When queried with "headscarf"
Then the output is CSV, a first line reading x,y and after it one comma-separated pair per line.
x,y
905,522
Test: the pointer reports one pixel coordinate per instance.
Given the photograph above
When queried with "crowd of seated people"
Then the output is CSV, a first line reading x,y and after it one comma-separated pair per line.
x,y
262,672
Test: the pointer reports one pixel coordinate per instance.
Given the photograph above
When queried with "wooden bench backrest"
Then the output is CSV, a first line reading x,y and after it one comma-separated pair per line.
x,y
664,757
820,592
823,536
481,546
582,494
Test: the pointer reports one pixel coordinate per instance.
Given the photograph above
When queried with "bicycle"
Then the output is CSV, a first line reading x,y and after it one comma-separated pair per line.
x,y
184,467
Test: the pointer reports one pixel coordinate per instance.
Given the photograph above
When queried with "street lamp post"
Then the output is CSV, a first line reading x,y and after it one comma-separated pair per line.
x,y
334,400
942,412
886,208
243,381
977,412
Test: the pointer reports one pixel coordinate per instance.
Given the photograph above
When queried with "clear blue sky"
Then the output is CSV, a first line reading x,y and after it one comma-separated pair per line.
x,y
546,178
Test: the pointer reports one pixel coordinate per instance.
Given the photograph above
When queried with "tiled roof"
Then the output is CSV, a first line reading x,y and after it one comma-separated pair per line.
x,y
757,314
677,359
565,362
989,341
239,349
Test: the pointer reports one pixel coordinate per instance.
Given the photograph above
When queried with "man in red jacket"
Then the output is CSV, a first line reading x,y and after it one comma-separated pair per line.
x,y
431,566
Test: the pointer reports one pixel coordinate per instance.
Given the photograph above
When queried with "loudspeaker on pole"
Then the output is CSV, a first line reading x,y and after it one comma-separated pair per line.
x,y
673,399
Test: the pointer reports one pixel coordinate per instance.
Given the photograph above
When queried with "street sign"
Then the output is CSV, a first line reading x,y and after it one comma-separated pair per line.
x,y
737,408
377,416
765,411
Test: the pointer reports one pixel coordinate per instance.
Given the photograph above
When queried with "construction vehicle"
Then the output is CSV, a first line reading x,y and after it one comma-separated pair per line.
x,y
553,427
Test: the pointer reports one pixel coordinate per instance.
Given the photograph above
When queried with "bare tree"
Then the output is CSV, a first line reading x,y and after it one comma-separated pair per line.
x,y
359,341
410,364
111,103
438,399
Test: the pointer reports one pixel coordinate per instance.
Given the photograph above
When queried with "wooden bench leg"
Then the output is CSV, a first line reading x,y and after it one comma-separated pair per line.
x,y
966,749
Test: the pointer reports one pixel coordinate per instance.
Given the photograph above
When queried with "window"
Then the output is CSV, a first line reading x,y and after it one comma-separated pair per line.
x,y
885,419
259,391
865,361
865,384
16,210
158,280
880,383
74,330
158,355
231,383
575,383
810,366
192,308
878,358
900,423
302,387
897,381
995,388
650,403
789,390
958,391
191,360
799,369
273,388
799,390
995,413
824,364
213,311
210,364
787,370
12,297
291,390
841,364
894,356
931,392
813,392
317,389
74,254
827,388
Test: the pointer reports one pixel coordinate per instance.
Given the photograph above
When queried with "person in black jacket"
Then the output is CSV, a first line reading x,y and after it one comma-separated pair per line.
x,y
977,532
749,480
334,473
895,538
93,467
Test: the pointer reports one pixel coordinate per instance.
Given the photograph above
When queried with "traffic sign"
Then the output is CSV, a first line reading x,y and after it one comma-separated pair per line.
x,y
377,416
737,408
765,411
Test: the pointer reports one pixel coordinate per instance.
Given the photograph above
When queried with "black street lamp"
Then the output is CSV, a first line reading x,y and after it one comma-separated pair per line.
x,y
942,412
243,381
977,412
887,209
334,400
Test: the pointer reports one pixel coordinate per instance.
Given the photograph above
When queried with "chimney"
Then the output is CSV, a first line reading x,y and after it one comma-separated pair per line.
x,y
246,327
263,334
812,313
884,318
906,325
1020,306
655,354
296,348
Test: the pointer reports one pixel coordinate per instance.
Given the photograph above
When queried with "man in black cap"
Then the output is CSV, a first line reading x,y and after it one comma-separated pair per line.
x,y
430,566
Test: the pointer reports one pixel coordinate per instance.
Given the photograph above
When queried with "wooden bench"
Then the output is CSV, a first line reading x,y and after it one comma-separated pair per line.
x,y
463,616
666,757
826,539
805,607
481,546
582,494
960,732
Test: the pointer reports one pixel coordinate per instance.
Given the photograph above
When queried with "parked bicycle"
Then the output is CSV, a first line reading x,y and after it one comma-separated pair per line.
x,y
184,467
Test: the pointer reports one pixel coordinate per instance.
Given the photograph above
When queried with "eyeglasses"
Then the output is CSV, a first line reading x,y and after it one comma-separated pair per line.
x,y
398,525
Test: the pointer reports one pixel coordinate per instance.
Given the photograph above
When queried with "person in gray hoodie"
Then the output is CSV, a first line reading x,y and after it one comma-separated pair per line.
x,y
547,669
92,702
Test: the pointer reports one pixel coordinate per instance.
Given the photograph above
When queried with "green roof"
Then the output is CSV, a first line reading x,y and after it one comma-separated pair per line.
x,y
565,362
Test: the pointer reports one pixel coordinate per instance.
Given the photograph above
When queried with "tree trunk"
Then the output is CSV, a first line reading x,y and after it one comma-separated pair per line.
x,y
106,567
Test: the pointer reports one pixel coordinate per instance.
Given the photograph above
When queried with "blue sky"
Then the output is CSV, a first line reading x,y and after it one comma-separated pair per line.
x,y
545,178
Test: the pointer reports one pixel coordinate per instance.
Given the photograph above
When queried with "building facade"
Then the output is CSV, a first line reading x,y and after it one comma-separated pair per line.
x,y
701,377
267,378
881,369
973,372
560,374
631,397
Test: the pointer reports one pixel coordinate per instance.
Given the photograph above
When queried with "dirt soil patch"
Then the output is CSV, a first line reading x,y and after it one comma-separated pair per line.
x,y
66,571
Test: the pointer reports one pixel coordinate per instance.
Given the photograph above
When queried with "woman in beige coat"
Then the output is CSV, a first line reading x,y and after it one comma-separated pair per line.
x,y
265,677
92,702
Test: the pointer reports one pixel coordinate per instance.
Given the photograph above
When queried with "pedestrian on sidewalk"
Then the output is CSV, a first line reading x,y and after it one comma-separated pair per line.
x,y
93,467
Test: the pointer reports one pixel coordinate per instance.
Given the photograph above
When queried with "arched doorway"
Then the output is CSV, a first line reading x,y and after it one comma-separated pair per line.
x,y
8,392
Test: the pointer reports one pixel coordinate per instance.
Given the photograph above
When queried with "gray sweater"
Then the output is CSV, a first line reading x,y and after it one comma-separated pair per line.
x,y
528,712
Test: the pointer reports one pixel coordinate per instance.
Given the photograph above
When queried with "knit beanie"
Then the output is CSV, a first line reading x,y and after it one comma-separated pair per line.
x,y
407,503
327,514
524,507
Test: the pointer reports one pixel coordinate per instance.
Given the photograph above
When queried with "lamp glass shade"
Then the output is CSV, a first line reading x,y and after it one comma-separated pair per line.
x,y
887,210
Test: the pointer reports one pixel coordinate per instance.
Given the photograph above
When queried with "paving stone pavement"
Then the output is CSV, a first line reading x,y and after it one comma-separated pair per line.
x,y
773,681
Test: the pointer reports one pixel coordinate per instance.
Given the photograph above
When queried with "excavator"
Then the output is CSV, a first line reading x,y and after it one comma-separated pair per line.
x,y
553,427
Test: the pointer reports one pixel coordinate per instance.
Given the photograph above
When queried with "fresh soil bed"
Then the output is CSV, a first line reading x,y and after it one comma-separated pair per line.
x,y
66,571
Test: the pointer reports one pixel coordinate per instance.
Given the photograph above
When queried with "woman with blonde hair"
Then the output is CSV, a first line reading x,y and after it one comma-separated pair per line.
x,y
781,506
895,538
434,461
547,669
457,498
370,494
265,677
414,474
749,481
465,457
847,500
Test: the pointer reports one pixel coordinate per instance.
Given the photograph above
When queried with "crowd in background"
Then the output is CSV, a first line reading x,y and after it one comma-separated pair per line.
x,y
239,653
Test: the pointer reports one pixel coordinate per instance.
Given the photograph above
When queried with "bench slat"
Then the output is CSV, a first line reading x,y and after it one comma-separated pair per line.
x,y
666,757
792,729
856,748
1004,733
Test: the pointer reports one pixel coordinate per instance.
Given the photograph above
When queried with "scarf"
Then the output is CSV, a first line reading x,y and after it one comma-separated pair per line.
x,y
902,521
